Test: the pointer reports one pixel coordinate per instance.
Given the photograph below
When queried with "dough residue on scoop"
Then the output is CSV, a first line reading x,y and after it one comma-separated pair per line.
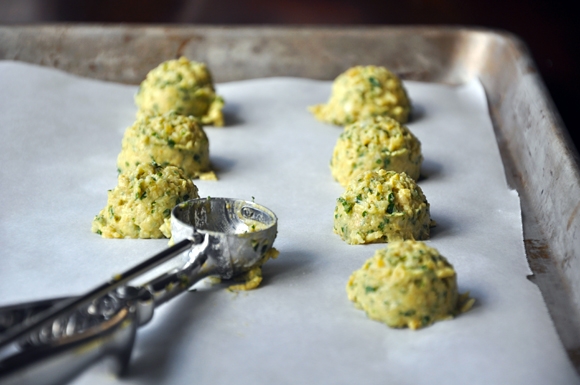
x,y
253,277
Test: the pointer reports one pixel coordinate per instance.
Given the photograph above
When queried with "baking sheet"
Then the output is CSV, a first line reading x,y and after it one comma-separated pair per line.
x,y
60,138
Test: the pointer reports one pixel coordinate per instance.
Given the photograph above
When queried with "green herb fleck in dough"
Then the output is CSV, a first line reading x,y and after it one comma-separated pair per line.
x,y
384,286
374,144
183,86
168,139
130,204
362,93
382,206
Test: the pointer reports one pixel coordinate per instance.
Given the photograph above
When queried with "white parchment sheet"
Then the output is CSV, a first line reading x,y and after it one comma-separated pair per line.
x,y
59,138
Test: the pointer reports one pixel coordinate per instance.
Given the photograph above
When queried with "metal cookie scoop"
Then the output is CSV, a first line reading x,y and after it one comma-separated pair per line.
x,y
50,342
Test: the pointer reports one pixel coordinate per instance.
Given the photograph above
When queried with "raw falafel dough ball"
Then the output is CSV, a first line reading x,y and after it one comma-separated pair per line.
x,y
181,85
407,284
382,206
364,92
372,144
168,139
141,203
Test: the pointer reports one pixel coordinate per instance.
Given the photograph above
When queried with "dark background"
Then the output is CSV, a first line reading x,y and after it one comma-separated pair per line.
x,y
551,29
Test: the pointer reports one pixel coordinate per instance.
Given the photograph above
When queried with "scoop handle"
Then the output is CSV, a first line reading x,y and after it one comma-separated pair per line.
x,y
15,314
63,359
60,309
59,338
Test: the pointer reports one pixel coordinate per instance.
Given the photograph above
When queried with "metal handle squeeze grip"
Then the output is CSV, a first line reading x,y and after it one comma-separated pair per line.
x,y
57,339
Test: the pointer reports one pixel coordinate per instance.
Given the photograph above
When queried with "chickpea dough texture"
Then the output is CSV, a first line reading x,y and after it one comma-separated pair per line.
x,y
183,86
382,206
362,93
407,284
253,278
140,205
372,144
168,139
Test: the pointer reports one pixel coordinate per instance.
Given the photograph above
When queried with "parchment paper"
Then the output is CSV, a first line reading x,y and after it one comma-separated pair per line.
x,y
60,136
